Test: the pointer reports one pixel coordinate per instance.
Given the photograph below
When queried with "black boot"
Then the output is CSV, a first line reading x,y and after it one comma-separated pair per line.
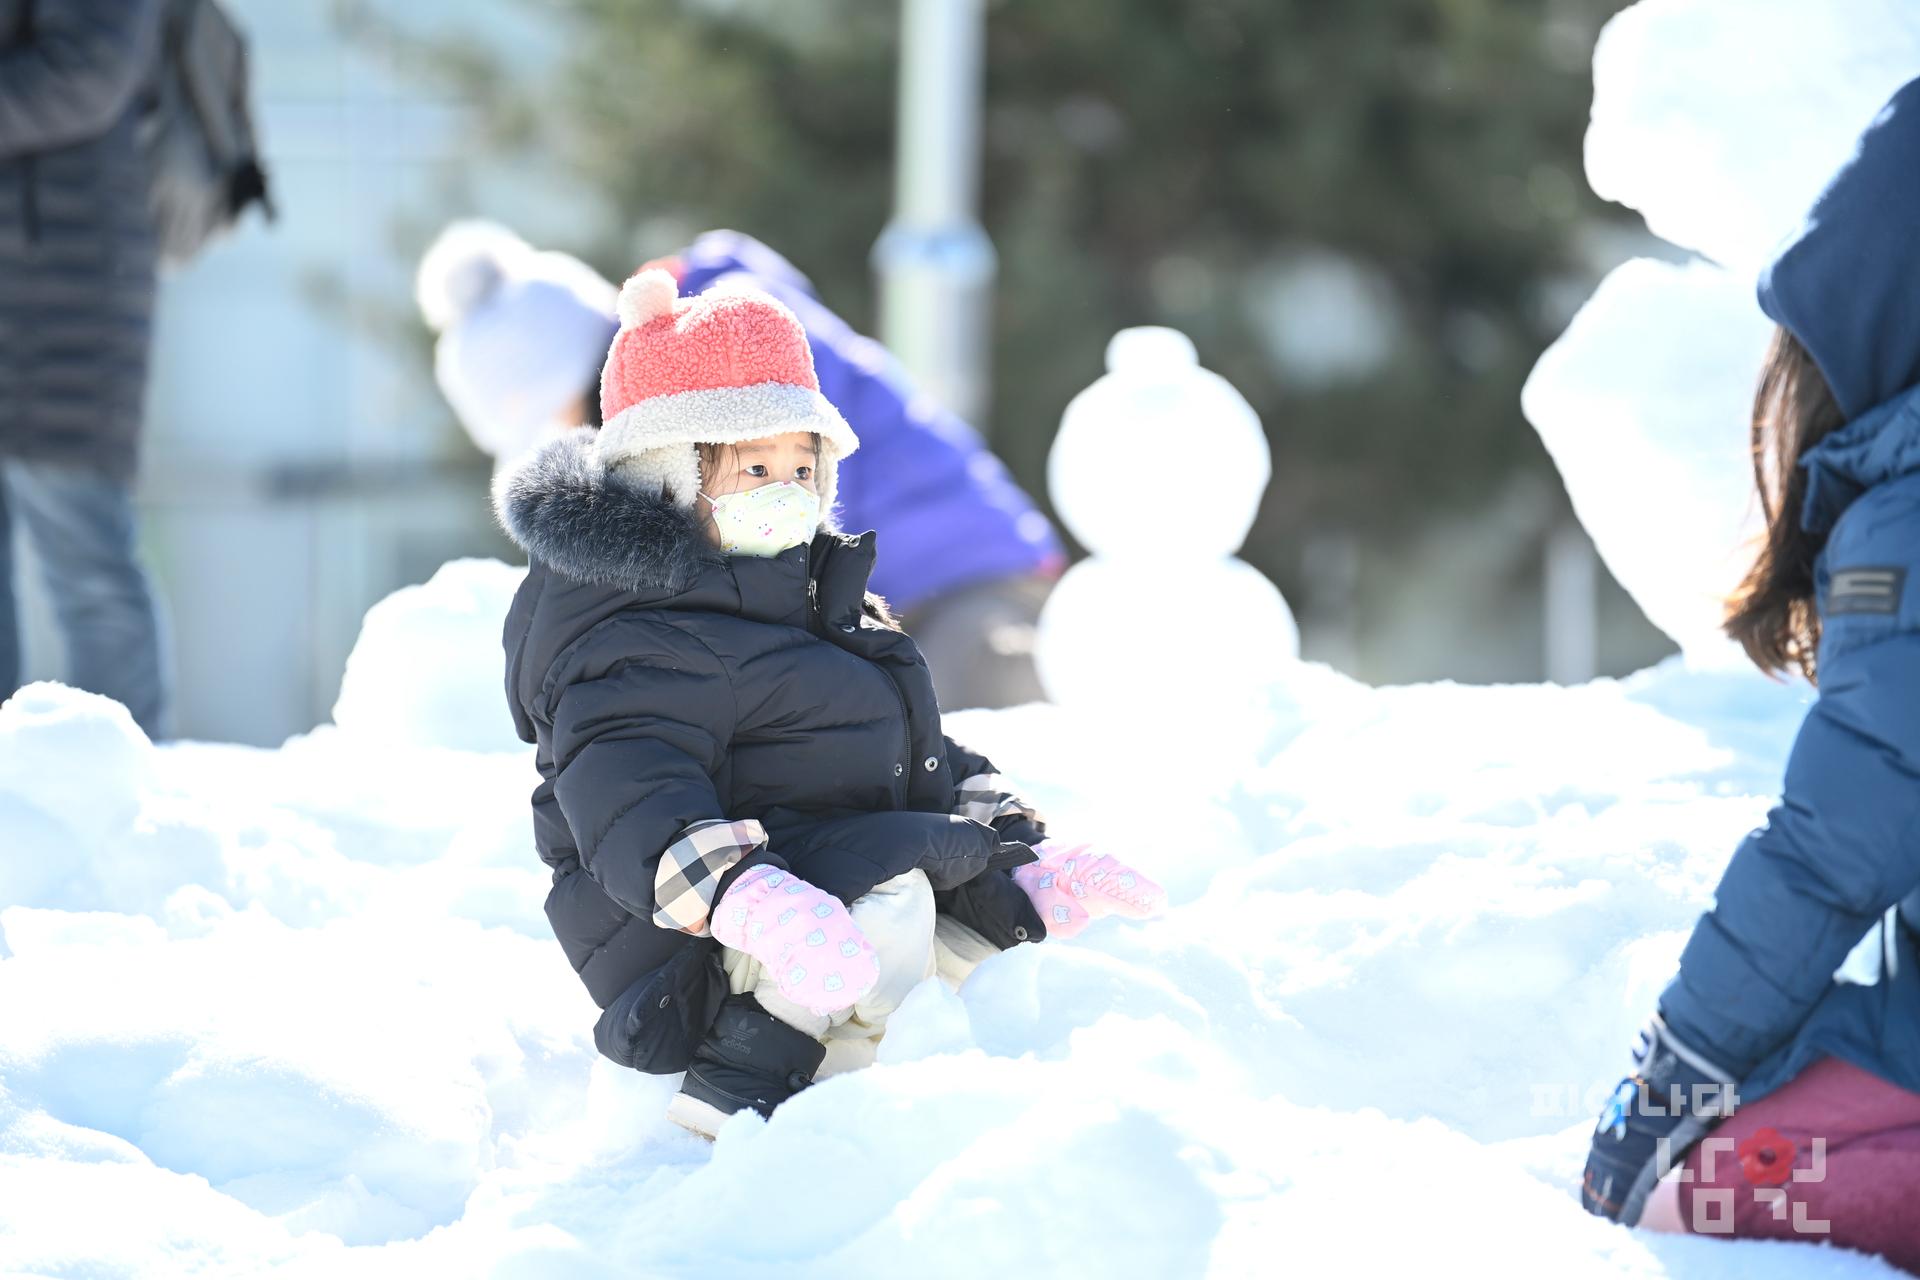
x,y
750,1059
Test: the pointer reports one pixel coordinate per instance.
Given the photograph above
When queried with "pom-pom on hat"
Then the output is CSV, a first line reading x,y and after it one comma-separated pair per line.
x,y
521,331
725,367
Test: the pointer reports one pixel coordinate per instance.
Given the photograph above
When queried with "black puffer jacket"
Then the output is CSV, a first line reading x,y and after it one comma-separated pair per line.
x,y
697,714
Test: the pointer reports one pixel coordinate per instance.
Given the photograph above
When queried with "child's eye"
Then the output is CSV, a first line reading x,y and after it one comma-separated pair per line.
x,y
757,470
804,473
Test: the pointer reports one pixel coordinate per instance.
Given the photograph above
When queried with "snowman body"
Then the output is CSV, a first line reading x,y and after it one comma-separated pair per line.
x,y
1159,469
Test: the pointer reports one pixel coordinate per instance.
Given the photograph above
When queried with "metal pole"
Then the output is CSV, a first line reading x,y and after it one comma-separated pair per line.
x,y
1572,607
934,260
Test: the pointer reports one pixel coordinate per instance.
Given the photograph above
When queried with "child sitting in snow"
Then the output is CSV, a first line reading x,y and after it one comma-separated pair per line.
x,y
736,742
1809,1084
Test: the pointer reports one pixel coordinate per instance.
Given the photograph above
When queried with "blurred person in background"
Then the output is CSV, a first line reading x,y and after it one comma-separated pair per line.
x,y
77,279
966,559
522,335
1799,1095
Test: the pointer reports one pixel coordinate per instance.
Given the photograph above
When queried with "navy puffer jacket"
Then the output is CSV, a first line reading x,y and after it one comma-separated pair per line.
x,y
696,714
77,250
1756,988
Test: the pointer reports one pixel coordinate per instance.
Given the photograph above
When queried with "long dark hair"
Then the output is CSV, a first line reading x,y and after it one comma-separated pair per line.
x,y
1772,612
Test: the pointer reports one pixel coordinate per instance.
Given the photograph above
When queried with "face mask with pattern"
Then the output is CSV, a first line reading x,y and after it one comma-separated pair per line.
x,y
767,520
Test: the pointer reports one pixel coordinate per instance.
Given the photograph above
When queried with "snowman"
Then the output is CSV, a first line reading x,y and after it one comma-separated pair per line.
x,y
1158,469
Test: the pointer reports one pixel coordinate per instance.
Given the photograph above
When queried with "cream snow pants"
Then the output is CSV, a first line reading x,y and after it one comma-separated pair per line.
x,y
912,944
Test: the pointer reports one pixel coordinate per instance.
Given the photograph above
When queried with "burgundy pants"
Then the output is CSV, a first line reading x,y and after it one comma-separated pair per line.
x,y
1833,1155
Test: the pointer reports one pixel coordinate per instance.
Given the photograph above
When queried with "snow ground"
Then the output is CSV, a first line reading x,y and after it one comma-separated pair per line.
x,y
297,1011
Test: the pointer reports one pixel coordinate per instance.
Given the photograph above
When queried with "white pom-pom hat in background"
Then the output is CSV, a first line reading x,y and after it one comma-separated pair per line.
x,y
522,332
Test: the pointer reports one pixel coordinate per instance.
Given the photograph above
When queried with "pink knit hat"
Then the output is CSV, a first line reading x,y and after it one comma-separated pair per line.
x,y
725,367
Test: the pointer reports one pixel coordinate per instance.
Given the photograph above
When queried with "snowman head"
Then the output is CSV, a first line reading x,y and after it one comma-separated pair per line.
x,y
1158,424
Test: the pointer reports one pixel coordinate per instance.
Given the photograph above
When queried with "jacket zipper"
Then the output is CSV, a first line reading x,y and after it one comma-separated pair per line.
x,y
903,777
904,767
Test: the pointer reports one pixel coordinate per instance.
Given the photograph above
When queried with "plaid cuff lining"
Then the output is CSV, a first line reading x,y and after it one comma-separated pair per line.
x,y
983,798
691,868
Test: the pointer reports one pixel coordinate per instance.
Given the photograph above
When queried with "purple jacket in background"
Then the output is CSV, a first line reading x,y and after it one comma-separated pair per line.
x,y
947,511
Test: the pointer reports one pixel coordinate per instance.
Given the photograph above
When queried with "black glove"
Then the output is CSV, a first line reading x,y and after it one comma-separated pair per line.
x,y
992,905
1671,1100
1011,854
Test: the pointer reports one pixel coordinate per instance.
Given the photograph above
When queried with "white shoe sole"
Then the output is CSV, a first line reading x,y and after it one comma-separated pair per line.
x,y
696,1116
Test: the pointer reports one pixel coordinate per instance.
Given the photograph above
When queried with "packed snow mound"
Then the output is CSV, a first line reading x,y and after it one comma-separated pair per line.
x,y
46,728
1099,650
414,678
1643,404
1720,121
298,1012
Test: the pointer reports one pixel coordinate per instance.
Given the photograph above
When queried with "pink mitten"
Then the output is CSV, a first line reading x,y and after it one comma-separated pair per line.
x,y
816,953
1071,887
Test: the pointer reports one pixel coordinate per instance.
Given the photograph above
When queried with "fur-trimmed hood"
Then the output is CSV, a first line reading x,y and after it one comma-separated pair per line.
x,y
565,508
592,523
